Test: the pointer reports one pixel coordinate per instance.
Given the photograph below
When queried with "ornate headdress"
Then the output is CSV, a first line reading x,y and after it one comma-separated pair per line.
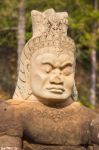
x,y
49,30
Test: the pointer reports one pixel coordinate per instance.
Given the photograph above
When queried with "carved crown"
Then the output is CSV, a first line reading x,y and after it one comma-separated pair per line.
x,y
50,29
49,22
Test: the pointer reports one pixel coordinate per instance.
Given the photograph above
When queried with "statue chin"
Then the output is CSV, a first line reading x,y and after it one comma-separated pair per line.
x,y
52,97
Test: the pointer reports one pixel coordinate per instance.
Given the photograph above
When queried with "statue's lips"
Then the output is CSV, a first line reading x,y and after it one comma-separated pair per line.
x,y
56,90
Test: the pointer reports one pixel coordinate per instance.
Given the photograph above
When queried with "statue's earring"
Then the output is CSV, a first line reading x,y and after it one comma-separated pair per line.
x,y
75,93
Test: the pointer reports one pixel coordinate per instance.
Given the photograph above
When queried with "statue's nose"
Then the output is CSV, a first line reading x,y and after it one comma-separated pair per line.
x,y
56,78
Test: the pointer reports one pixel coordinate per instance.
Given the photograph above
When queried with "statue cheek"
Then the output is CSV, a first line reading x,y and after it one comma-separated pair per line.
x,y
39,80
69,81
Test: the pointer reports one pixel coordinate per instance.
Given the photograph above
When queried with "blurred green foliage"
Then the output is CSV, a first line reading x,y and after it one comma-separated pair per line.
x,y
81,12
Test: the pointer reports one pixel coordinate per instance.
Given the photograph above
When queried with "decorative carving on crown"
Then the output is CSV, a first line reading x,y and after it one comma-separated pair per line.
x,y
50,29
49,22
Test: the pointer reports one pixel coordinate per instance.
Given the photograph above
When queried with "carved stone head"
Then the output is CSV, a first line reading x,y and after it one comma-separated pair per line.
x,y
47,64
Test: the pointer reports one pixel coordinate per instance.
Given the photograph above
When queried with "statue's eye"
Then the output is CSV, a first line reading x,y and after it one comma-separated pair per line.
x,y
67,70
47,68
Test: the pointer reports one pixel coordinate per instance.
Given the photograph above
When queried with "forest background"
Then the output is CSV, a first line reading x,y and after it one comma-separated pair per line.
x,y
16,30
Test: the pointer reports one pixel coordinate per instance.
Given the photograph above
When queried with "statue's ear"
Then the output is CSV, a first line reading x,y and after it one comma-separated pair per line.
x,y
75,93
27,75
27,69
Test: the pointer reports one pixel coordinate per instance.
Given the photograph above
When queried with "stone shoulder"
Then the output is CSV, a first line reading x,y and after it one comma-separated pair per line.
x,y
10,121
25,107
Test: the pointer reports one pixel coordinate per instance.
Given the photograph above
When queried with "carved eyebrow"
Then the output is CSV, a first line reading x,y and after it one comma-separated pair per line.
x,y
48,62
66,64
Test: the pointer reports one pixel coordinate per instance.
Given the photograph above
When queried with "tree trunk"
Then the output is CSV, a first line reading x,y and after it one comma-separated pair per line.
x,y
93,78
21,29
93,61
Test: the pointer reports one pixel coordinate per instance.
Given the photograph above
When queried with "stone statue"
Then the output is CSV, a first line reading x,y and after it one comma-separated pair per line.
x,y
44,113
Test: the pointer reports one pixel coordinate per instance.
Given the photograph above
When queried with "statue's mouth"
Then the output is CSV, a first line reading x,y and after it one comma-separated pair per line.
x,y
56,90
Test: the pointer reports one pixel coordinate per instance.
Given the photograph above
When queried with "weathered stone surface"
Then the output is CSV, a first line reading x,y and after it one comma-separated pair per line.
x,y
49,128
49,147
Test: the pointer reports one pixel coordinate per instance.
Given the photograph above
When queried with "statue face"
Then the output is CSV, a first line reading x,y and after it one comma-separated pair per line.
x,y
52,77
